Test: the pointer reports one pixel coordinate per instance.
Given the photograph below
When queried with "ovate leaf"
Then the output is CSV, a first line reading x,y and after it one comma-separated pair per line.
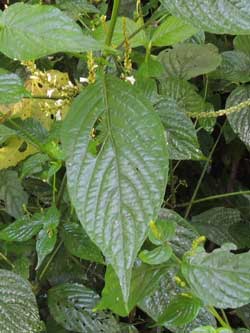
x,y
173,30
39,31
188,60
11,88
71,305
181,310
12,193
157,256
117,192
220,278
240,121
18,308
219,16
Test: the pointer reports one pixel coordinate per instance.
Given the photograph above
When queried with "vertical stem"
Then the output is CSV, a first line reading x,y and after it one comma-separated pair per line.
x,y
112,22
202,175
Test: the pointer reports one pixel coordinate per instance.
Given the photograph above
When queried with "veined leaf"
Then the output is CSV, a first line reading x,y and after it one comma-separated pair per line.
x,y
242,43
187,60
156,303
18,308
172,31
11,87
220,278
234,67
71,305
181,311
117,192
240,121
39,31
157,256
219,16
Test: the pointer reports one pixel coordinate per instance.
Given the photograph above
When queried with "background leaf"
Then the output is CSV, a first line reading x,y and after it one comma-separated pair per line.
x,y
219,16
11,88
18,308
39,31
71,305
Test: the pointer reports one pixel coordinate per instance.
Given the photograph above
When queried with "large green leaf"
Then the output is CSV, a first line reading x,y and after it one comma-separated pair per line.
x,y
118,191
71,305
144,281
188,60
217,225
172,31
220,278
29,32
182,310
12,193
217,16
11,88
18,308
240,121
234,67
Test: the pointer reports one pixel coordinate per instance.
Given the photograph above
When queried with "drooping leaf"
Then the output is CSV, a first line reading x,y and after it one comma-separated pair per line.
x,y
117,192
187,60
12,193
144,281
18,308
220,278
11,88
77,242
39,31
33,164
181,311
234,67
71,305
218,16
47,236
240,121
161,231
172,31
217,225
244,314
157,256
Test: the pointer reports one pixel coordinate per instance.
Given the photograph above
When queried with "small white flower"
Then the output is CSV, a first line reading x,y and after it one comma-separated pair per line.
x,y
49,77
59,102
130,79
58,115
70,84
50,92
84,80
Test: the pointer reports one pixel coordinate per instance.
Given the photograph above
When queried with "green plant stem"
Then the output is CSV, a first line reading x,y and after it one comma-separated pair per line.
x,y
2,256
214,197
61,191
54,253
203,174
112,22
218,317
225,317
